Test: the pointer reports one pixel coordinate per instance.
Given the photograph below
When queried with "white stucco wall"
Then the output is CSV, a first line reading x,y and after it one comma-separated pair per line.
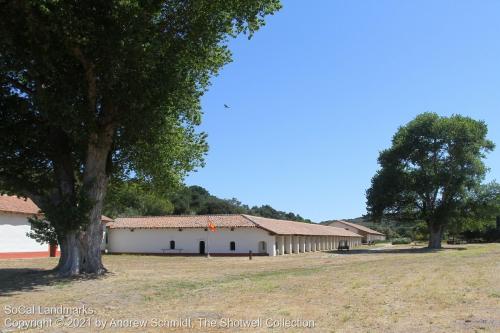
x,y
13,229
346,227
154,240
369,237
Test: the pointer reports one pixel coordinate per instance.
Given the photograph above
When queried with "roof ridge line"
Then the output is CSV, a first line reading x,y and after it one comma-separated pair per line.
x,y
181,215
245,216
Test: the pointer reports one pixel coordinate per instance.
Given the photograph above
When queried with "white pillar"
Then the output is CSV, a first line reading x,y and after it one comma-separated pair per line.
x,y
313,243
302,244
308,244
296,244
281,245
288,246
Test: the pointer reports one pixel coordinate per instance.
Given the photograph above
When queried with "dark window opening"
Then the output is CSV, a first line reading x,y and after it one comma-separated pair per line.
x,y
172,245
232,246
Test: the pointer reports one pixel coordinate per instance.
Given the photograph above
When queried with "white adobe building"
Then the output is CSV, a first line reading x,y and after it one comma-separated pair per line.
x,y
234,235
180,235
14,225
369,235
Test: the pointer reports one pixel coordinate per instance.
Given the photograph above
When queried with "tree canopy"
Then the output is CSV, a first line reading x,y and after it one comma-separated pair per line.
x,y
431,172
131,198
91,90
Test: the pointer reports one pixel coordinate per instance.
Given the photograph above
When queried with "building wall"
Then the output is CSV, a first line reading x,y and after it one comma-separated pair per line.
x,y
346,227
187,241
13,229
366,236
371,237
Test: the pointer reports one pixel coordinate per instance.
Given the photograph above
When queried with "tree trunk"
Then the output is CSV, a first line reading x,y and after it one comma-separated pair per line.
x,y
70,260
92,236
95,180
82,249
63,248
435,235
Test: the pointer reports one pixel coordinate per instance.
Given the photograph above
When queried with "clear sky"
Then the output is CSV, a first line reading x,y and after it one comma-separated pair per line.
x,y
320,90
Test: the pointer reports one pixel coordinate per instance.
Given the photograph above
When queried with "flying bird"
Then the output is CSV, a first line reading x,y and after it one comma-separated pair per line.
x,y
226,106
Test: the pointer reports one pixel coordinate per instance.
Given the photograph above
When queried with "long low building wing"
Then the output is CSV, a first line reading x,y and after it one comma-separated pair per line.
x,y
278,227
284,227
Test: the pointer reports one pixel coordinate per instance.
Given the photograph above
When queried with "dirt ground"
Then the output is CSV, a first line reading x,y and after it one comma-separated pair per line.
x,y
377,289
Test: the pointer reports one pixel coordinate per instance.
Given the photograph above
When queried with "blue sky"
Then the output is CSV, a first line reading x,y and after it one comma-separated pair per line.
x,y
320,90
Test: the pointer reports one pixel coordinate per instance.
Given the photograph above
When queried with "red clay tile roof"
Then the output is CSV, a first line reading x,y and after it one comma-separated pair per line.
x,y
16,205
106,219
13,204
280,227
360,227
186,221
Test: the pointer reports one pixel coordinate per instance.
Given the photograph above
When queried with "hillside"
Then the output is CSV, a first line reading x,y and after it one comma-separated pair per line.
x,y
133,199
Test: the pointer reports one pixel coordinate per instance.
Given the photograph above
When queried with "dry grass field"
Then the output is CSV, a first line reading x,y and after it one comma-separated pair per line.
x,y
397,289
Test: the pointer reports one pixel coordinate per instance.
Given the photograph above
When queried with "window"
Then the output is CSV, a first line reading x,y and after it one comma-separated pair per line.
x,y
262,247
232,246
172,245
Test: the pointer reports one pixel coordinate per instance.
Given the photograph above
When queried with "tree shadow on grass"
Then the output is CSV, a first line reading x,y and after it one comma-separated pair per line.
x,y
15,280
398,250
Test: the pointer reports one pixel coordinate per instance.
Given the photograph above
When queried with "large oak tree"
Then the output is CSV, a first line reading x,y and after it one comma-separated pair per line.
x,y
95,89
432,172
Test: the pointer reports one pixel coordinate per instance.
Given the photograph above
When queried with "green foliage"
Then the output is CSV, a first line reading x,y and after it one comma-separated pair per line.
x,y
133,199
398,241
380,241
479,211
431,171
88,87
197,200
42,231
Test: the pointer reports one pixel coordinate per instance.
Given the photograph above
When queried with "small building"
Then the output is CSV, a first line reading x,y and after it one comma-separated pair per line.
x,y
221,235
14,225
369,235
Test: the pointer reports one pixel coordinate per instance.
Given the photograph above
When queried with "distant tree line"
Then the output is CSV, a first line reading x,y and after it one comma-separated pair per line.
x,y
131,198
481,230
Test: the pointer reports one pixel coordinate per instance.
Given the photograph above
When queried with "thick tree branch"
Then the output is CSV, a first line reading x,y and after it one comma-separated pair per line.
x,y
90,77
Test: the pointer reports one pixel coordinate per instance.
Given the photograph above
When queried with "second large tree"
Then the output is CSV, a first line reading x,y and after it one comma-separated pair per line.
x,y
431,171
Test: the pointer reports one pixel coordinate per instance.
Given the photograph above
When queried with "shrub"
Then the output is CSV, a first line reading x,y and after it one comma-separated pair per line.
x,y
404,240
